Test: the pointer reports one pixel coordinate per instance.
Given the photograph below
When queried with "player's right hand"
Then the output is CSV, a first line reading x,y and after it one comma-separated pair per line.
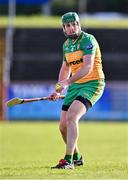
x,y
54,96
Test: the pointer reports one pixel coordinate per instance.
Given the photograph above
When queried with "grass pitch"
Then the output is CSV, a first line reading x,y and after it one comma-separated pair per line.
x,y
29,149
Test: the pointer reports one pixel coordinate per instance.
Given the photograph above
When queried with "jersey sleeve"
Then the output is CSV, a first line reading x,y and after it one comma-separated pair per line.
x,y
89,45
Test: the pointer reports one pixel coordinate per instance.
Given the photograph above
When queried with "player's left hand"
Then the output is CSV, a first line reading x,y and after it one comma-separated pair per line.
x,y
61,85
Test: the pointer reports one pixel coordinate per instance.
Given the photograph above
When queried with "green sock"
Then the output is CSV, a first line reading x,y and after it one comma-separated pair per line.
x,y
68,158
76,156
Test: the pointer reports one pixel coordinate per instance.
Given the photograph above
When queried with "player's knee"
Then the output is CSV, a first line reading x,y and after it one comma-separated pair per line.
x,y
71,117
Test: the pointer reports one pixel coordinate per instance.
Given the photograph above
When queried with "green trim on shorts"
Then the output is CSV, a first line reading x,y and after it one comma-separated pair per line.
x,y
91,90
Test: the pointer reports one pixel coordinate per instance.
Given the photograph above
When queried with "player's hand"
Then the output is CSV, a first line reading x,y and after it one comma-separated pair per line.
x,y
60,86
54,96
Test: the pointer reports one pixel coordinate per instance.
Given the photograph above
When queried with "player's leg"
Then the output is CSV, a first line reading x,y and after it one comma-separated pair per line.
x,y
63,125
63,130
74,113
67,162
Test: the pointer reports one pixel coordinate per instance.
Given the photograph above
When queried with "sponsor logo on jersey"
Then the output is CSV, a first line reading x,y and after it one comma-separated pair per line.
x,y
76,62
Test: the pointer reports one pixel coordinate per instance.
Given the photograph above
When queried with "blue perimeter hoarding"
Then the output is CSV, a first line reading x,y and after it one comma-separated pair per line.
x,y
25,1
113,105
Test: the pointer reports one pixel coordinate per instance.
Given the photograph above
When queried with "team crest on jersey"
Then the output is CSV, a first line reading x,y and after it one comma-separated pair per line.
x,y
89,46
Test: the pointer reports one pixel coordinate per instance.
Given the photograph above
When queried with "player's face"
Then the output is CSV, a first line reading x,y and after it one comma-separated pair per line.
x,y
72,29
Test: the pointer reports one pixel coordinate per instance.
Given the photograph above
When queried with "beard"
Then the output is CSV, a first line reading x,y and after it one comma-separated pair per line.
x,y
73,36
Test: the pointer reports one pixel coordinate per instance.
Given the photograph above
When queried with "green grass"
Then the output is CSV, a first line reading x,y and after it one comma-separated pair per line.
x,y
29,149
55,21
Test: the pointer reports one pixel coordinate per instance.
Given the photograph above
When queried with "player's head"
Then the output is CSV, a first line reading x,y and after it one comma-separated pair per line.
x,y
71,25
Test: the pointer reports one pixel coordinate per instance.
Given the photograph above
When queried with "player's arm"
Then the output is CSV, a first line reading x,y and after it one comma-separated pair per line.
x,y
88,61
64,74
64,71
65,80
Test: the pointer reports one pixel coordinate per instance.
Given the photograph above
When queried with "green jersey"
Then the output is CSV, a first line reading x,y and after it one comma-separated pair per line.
x,y
73,53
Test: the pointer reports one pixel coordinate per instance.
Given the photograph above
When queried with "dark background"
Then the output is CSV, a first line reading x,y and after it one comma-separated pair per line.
x,y
38,53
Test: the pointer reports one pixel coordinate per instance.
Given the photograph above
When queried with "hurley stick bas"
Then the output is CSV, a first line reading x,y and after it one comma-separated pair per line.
x,y
16,100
